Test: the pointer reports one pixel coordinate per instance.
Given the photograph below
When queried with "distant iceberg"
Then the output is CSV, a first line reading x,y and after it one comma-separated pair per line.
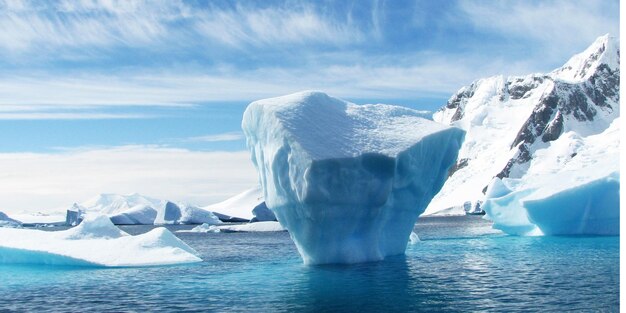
x,y
347,181
246,206
136,209
95,242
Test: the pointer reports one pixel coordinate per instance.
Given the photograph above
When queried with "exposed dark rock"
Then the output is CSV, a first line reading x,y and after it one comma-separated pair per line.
x,y
554,129
461,163
458,101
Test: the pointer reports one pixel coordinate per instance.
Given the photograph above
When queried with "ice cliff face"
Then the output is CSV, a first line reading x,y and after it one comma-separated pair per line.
x,y
510,122
347,181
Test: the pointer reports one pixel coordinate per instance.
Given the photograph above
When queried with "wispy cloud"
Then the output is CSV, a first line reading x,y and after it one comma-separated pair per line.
x,y
35,181
272,26
559,26
137,23
231,136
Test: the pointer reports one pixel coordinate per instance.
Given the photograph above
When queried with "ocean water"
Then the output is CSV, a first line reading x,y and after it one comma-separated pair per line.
x,y
460,265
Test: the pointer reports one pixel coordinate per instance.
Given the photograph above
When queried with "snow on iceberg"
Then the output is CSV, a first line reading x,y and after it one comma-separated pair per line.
x,y
565,192
95,242
246,206
347,181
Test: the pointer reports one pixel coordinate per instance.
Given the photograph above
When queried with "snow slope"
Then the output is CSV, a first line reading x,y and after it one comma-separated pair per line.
x,y
6,221
348,181
512,122
95,242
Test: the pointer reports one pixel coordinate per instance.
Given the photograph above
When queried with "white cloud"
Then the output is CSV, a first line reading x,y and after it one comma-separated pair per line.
x,y
43,181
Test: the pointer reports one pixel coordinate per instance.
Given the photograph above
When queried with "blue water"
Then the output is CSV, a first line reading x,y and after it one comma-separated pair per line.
x,y
461,264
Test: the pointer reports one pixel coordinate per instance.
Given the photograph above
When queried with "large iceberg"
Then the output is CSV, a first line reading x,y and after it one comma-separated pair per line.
x,y
95,242
572,189
347,181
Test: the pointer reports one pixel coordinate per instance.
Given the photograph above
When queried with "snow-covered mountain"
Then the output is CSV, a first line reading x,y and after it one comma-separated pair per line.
x,y
513,122
6,221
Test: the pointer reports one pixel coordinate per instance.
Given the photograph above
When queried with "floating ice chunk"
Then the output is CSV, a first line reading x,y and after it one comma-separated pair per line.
x,y
348,181
204,228
95,242
248,227
414,239
253,227
590,208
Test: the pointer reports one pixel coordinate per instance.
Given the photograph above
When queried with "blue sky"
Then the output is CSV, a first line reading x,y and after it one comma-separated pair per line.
x,y
101,75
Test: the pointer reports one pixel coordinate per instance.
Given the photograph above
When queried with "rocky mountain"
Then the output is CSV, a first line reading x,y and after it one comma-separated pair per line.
x,y
511,121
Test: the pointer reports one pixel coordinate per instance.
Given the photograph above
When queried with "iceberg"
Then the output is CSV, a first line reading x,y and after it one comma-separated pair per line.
x,y
172,213
347,181
138,215
246,206
566,192
136,209
95,242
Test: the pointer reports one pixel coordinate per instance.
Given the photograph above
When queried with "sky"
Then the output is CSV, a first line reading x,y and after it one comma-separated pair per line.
x,y
105,96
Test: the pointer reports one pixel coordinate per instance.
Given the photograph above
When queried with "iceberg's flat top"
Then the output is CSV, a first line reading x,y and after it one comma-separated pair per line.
x,y
326,127
96,242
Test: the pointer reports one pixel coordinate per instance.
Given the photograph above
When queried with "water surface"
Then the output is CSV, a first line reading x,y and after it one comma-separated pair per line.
x,y
461,265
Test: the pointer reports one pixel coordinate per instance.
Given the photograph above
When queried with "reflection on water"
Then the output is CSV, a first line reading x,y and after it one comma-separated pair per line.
x,y
461,264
